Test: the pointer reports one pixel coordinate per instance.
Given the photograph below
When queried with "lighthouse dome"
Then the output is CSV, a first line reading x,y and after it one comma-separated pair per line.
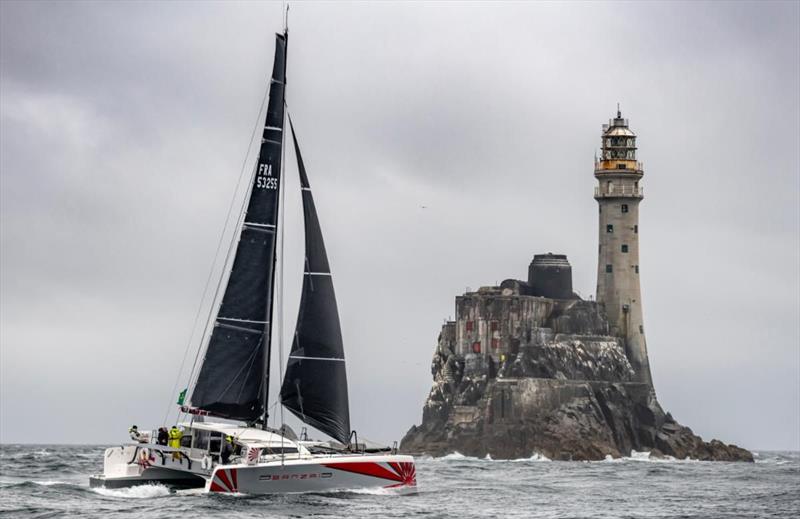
x,y
619,131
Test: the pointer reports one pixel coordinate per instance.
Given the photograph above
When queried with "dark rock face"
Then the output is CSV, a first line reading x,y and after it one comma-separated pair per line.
x,y
566,391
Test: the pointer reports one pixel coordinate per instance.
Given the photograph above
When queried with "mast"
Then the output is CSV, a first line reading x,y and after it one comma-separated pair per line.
x,y
271,290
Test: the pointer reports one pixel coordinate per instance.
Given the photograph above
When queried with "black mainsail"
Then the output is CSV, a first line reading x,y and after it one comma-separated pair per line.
x,y
315,384
234,378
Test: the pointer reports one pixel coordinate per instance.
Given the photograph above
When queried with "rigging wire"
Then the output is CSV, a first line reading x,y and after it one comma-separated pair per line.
x,y
280,279
209,328
213,266
229,254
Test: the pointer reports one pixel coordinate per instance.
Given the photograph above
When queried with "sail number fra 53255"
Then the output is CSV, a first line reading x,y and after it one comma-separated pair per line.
x,y
265,180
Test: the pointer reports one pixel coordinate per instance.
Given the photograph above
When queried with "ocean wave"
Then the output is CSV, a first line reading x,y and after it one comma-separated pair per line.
x,y
776,457
535,457
135,492
645,457
377,491
457,456
49,483
31,485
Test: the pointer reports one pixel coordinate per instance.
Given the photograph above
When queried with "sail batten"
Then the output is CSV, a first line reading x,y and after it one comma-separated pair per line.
x,y
234,375
315,384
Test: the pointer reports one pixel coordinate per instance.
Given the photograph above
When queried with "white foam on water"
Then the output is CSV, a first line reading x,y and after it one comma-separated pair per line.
x,y
771,461
48,483
456,456
640,456
535,457
377,491
644,456
136,492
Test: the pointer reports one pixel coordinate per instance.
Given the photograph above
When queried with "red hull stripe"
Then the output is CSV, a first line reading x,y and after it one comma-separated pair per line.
x,y
224,478
367,469
235,478
217,488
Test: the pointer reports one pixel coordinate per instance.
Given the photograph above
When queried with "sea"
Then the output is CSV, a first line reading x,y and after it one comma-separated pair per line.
x,y
52,481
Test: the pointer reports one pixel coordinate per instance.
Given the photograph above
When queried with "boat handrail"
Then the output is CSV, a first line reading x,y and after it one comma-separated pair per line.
x,y
161,450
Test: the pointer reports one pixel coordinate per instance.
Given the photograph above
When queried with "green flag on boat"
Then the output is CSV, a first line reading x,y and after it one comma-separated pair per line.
x,y
182,397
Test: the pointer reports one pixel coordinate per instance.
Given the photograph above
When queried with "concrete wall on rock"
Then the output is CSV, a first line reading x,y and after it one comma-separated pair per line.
x,y
552,381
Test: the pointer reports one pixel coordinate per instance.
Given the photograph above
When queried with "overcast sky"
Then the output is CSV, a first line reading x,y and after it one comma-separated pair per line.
x,y
124,127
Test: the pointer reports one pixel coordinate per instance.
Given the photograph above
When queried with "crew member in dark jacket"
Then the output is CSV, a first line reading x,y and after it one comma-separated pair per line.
x,y
163,436
227,450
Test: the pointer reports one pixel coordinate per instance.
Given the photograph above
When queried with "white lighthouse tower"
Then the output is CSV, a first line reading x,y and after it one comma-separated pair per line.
x,y
618,195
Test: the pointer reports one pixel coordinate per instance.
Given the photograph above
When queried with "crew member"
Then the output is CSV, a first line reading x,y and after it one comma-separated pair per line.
x,y
138,436
163,436
227,450
175,436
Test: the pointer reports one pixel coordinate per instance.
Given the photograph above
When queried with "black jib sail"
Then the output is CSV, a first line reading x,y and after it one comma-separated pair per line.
x,y
315,385
233,379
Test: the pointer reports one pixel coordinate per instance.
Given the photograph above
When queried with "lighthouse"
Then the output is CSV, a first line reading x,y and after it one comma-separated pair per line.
x,y
618,194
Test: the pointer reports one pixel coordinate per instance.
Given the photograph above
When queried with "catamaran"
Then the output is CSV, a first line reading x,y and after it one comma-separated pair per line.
x,y
232,383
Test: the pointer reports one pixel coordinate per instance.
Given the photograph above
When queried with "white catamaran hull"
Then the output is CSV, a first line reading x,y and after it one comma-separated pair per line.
x,y
147,464
395,472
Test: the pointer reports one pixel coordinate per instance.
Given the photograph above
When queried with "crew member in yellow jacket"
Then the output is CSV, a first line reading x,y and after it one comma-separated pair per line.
x,y
175,436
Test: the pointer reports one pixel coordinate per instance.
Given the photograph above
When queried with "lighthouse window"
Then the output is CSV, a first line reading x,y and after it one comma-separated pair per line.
x,y
624,208
624,248
609,268
641,329
609,228
637,269
635,229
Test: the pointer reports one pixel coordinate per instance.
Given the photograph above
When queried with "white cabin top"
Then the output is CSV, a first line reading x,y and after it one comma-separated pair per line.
x,y
249,436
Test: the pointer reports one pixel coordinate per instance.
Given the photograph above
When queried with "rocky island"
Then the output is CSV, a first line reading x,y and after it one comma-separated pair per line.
x,y
528,367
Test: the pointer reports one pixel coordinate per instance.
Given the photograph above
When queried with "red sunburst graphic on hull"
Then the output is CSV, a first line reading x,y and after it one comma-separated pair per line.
x,y
407,471
225,480
402,473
